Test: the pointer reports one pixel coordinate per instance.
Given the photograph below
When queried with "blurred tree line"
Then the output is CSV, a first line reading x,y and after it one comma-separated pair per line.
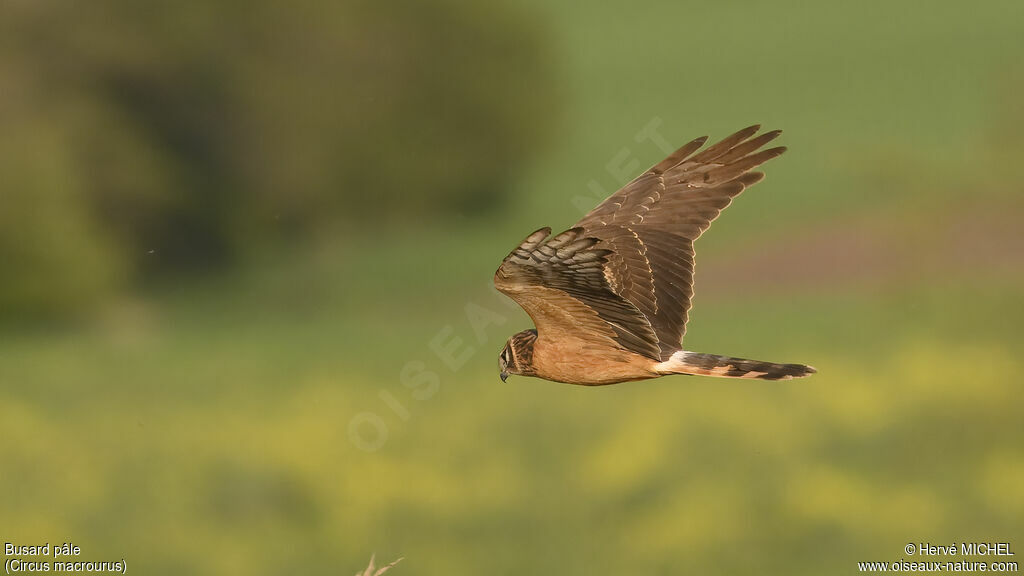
x,y
210,131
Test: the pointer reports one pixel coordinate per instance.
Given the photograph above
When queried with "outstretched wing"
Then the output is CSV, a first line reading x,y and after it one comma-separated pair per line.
x,y
649,225
562,284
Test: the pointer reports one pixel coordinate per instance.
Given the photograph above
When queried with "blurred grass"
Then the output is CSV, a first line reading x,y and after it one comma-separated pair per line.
x,y
188,466
202,426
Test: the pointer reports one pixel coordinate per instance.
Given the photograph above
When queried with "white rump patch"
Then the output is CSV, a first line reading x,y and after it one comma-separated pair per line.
x,y
675,363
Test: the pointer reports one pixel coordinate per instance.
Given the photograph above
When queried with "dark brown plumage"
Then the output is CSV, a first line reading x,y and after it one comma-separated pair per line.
x,y
610,296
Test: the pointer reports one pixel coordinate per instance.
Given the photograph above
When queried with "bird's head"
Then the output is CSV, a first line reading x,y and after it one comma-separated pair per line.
x,y
517,356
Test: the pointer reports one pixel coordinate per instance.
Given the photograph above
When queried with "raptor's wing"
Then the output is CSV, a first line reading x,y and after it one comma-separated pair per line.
x,y
562,284
648,227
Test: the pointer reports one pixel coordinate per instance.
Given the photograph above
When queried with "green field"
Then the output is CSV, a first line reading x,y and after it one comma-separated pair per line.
x,y
205,426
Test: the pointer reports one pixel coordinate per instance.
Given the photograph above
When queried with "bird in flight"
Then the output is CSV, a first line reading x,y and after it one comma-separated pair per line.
x,y
610,296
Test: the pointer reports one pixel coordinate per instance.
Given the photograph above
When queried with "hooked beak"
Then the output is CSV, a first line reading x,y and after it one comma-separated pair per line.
x,y
504,376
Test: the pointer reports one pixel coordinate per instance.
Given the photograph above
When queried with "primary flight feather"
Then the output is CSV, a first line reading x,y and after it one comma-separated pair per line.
x,y
610,296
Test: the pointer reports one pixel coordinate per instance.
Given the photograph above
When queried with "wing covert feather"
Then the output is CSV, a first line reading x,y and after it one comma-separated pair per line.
x,y
570,265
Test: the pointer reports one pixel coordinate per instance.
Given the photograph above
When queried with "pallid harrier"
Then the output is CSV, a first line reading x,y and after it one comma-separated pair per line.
x,y
610,295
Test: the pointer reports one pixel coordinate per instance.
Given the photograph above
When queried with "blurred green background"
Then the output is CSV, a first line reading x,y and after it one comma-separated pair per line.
x,y
246,324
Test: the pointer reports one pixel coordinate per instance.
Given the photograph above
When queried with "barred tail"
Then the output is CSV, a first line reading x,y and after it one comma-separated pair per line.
x,y
684,362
